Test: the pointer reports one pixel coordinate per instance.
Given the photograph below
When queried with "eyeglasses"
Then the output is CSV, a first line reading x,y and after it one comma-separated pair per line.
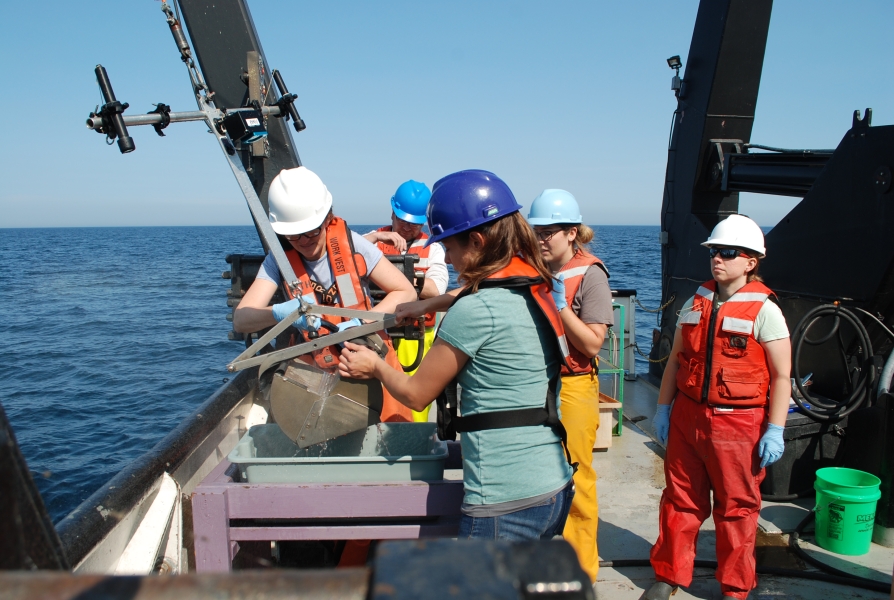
x,y
545,235
726,253
408,225
312,234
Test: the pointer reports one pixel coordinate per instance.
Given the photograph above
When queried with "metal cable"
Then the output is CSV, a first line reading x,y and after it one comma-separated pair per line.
x,y
651,360
789,150
660,308
877,320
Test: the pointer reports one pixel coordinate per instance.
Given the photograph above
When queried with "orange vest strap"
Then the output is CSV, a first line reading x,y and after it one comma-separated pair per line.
x,y
574,271
347,268
418,248
519,273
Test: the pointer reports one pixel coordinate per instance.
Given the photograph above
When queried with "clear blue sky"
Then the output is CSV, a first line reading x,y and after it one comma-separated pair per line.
x,y
564,94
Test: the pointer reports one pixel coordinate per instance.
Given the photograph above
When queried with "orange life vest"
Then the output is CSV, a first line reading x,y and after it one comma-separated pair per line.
x,y
347,289
348,268
519,273
418,248
722,345
574,271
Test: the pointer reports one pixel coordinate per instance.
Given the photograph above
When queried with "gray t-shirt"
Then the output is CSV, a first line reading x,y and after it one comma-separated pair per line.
x,y
320,271
593,301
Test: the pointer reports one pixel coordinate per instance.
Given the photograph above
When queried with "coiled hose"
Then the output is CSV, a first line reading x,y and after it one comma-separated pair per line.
x,y
823,410
884,384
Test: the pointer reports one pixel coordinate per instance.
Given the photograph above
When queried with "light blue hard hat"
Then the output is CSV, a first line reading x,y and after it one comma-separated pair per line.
x,y
410,201
554,206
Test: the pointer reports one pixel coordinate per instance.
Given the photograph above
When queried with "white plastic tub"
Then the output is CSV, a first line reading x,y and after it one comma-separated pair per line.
x,y
383,452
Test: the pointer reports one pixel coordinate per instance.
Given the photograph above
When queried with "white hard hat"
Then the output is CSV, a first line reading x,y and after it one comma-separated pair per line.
x,y
738,231
298,201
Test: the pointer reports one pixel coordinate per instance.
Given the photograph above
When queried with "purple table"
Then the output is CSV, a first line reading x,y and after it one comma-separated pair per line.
x,y
315,511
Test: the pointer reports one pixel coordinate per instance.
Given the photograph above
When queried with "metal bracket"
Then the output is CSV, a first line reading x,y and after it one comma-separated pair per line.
x,y
865,121
257,90
718,159
248,359
165,111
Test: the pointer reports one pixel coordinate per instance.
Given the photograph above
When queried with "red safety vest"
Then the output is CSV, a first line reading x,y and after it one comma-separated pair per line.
x,y
574,271
722,344
418,248
347,269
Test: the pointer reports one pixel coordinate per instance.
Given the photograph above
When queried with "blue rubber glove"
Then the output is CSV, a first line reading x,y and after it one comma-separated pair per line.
x,y
283,310
661,423
349,323
558,292
771,446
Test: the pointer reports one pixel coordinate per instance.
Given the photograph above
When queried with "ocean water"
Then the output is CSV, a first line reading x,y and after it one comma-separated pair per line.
x,y
114,335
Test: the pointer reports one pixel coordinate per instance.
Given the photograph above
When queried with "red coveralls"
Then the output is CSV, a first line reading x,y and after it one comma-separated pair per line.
x,y
715,426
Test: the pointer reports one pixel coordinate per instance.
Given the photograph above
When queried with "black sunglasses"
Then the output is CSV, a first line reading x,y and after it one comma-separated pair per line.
x,y
312,234
726,253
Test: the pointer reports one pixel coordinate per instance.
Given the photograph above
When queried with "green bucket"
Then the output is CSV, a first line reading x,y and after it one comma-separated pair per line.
x,y
845,509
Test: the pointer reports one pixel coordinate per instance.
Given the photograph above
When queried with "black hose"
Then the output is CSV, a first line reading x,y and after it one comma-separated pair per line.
x,y
788,497
848,580
418,360
830,574
820,410
869,584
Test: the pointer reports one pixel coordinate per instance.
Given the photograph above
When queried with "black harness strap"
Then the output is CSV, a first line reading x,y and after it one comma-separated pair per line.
x,y
521,417
502,419
449,424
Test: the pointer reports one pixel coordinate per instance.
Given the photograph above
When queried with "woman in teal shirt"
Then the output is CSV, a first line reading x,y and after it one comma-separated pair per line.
x,y
502,341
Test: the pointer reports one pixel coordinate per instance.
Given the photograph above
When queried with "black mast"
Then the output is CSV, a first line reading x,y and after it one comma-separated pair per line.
x,y
717,102
223,37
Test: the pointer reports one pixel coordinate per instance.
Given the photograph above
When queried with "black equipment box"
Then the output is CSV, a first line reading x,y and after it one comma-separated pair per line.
x,y
245,126
809,445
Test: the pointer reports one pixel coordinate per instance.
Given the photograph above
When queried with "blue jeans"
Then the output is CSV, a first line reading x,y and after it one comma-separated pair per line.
x,y
540,522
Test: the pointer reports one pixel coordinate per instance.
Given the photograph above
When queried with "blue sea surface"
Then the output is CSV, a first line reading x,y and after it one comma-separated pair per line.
x,y
114,335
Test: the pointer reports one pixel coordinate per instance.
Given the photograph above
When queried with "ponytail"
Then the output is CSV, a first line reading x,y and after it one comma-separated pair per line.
x,y
584,236
752,274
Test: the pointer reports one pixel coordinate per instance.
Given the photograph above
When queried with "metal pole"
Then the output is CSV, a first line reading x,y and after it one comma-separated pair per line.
x,y
96,122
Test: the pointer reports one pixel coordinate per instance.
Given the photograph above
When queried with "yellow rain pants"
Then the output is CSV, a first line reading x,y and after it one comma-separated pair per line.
x,y
406,354
579,406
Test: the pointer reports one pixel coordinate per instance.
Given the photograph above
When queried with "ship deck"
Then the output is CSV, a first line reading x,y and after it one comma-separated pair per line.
x,y
631,479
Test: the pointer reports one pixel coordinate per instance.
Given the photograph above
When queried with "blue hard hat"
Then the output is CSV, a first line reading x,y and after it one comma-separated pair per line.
x,y
410,201
554,206
466,199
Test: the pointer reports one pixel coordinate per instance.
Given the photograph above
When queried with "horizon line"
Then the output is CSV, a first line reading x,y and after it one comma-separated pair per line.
x,y
151,226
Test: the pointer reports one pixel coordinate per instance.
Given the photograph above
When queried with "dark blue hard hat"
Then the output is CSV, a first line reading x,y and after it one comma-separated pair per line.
x,y
466,199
